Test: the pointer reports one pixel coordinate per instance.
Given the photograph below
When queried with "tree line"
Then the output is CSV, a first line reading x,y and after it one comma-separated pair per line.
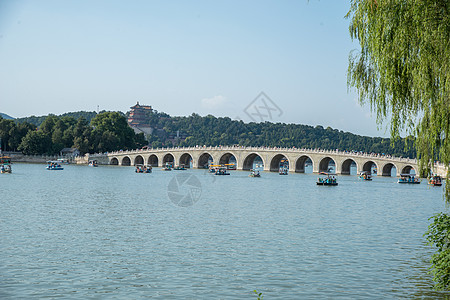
x,y
107,131
38,120
213,131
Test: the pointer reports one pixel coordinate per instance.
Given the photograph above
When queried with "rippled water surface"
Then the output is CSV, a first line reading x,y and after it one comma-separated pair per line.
x,y
107,232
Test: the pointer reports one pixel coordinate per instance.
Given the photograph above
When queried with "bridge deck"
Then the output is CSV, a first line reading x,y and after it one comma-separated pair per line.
x,y
269,157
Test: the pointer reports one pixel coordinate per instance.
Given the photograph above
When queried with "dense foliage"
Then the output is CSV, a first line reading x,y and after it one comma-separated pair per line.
x,y
214,131
37,121
107,131
403,71
12,133
438,235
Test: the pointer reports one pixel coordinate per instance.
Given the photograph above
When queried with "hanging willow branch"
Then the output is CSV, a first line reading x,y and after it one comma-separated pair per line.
x,y
403,70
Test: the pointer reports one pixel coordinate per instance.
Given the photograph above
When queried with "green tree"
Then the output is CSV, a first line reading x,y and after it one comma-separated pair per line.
x,y
6,127
48,124
82,136
17,133
37,121
36,142
438,234
139,140
403,72
112,132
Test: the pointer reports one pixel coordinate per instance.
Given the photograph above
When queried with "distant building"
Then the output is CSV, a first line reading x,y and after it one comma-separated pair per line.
x,y
70,152
138,119
138,115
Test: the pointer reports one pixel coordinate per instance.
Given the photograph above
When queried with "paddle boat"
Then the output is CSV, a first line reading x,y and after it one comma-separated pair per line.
x,y
54,166
180,167
231,166
408,178
283,171
63,161
365,175
435,180
222,170
254,173
212,168
167,167
5,169
93,163
327,179
284,167
143,169
5,165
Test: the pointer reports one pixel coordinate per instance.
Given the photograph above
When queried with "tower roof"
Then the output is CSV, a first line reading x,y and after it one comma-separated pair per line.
x,y
138,106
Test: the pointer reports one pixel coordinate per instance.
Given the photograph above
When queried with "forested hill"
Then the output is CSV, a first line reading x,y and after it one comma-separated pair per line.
x,y
212,131
5,116
37,121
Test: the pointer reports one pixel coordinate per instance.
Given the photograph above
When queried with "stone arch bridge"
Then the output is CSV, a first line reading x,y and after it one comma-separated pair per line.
x,y
270,158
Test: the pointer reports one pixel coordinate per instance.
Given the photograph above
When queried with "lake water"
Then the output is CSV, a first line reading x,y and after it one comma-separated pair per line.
x,y
107,232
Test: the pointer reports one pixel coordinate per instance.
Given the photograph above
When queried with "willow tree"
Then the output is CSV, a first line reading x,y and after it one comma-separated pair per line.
x,y
403,72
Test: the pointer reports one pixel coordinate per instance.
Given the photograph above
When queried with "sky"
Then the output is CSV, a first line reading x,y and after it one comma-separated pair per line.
x,y
279,61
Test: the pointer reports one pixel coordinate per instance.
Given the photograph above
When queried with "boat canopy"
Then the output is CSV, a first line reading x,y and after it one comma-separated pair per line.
x,y
407,175
5,159
328,174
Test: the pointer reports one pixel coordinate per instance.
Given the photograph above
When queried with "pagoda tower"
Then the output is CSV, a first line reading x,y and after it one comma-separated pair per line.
x,y
137,116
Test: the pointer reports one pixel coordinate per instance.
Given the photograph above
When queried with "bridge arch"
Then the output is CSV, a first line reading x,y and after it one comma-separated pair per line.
x,y
387,169
407,170
226,158
346,166
114,161
301,162
186,160
126,161
138,160
324,164
168,158
153,160
204,158
368,165
249,161
275,162
247,155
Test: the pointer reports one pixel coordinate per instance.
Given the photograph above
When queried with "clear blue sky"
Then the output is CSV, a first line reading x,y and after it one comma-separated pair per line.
x,y
208,57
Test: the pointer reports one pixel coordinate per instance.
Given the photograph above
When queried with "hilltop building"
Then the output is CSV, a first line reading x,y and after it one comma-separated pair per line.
x,y
137,116
138,120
